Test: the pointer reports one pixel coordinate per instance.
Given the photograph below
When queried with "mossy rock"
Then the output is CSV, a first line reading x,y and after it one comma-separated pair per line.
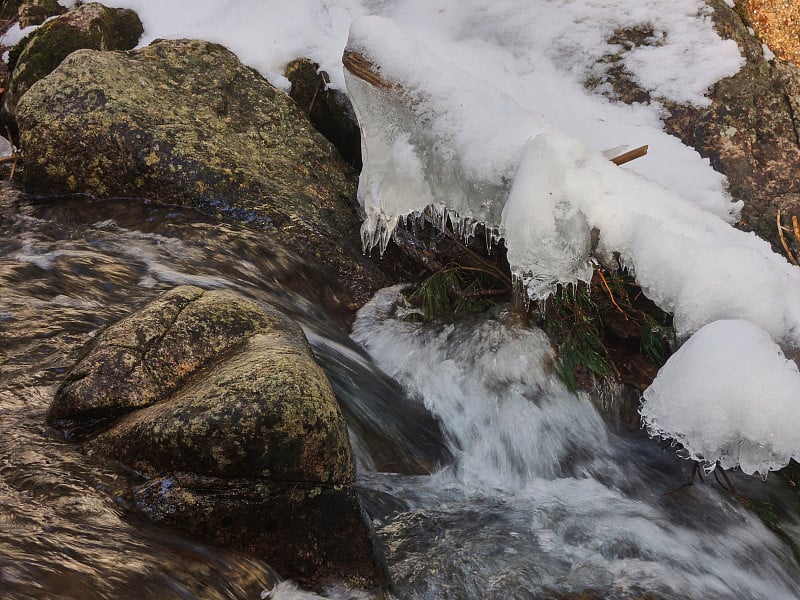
x,y
184,122
314,534
88,26
219,404
328,109
208,382
35,12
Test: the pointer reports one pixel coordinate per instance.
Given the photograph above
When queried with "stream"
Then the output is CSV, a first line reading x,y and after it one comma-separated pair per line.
x,y
533,495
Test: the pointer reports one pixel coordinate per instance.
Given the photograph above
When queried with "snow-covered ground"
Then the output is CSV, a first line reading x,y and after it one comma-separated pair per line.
x,y
502,129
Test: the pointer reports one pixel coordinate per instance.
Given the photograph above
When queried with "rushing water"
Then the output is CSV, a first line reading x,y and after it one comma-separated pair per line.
x,y
533,495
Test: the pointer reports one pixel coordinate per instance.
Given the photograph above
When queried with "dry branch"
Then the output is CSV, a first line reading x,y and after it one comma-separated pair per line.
x,y
629,156
783,239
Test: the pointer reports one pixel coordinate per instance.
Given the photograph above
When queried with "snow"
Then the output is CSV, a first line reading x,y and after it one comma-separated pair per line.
x,y
728,395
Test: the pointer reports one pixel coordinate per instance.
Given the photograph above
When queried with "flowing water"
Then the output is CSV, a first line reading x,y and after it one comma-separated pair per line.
x,y
533,494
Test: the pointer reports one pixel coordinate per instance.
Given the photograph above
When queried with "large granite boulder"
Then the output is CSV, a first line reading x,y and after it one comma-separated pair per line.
x,y
218,403
184,122
88,26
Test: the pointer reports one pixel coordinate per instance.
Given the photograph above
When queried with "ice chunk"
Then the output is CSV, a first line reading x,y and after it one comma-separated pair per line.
x,y
547,236
730,395
428,142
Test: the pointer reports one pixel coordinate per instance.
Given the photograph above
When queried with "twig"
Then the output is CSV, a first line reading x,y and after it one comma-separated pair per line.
x,y
796,229
629,156
608,289
783,239
323,80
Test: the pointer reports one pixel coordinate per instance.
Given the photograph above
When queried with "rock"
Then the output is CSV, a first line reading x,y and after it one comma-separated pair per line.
x,y
328,109
35,12
219,403
751,130
185,122
88,26
314,534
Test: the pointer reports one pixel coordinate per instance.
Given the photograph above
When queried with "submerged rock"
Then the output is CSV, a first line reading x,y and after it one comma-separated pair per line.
x,y
183,121
88,26
219,403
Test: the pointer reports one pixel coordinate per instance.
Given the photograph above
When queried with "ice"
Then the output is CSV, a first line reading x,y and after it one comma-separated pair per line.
x,y
728,395
547,236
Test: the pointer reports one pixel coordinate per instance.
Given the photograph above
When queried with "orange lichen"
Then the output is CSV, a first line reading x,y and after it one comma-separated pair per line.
x,y
777,22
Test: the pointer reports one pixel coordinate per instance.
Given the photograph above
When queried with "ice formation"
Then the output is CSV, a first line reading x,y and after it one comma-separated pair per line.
x,y
544,191
728,395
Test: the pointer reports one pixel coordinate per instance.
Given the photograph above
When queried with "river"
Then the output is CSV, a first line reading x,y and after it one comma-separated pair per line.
x,y
533,494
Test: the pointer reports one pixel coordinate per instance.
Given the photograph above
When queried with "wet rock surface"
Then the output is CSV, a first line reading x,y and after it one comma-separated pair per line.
x,y
88,26
219,403
184,122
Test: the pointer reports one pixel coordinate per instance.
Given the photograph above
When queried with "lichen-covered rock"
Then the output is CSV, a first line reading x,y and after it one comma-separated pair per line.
x,y
217,384
219,402
88,26
751,130
266,411
328,109
184,122
35,12
316,534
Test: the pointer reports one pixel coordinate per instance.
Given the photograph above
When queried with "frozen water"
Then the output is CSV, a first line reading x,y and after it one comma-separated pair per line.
x,y
729,395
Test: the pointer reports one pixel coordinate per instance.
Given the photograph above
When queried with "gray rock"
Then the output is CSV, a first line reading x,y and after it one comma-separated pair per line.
x,y
88,26
219,402
185,122
35,12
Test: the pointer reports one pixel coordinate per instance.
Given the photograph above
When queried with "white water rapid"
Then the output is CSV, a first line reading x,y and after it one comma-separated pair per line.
x,y
542,499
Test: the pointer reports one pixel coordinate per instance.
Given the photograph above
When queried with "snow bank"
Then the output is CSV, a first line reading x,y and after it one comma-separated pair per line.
x,y
729,395
538,53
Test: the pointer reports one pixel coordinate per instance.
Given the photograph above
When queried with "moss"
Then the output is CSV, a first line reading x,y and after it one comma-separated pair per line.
x,y
39,53
453,292
598,328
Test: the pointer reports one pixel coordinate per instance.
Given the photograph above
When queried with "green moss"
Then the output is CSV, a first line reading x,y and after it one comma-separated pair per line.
x,y
769,517
593,324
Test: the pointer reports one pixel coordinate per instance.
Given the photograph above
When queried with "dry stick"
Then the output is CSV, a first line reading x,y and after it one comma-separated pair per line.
x,y
783,239
796,229
608,289
629,156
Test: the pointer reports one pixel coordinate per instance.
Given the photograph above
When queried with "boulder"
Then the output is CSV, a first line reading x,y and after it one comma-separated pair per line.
x,y
88,26
218,403
35,12
750,130
184,122
328,109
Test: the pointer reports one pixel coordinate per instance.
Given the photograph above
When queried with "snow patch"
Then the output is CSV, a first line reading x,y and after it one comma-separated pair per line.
x,y
728,395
